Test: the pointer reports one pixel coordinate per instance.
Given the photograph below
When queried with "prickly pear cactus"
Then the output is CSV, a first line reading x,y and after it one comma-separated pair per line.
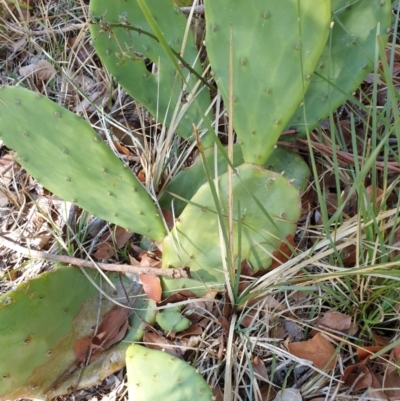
x,y
347,59
171,319
275,47
156,375
195,241
43,320
69,158
125,53
188,181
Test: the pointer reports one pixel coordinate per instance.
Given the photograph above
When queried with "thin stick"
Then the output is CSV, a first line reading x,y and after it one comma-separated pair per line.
x,y
20,29
153,271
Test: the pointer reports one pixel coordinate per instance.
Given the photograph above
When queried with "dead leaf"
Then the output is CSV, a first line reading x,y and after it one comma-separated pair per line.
x,y
336,321
151,286
318,350
217,393
111,330
41,69
365,353
357,376
148,260
193,330
111,242
268,393
249,317
374,198
182,295
157,342
391,382
284,252
260,370
122,149
169,218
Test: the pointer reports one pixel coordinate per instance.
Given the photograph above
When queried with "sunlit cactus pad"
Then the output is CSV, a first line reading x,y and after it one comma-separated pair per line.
x,y
188,181
195,239
156,375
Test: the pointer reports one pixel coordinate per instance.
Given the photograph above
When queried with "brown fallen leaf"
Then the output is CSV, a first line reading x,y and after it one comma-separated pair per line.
x,y
193,330
391,382
365,353
122,149
318,350
151,286
158,342
249,318
357,376
284,252
111,330
41,69
268,393
110,242
336,321
260,370
87,349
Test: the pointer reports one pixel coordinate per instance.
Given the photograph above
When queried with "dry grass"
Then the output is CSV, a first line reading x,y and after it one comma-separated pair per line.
x,y
346,243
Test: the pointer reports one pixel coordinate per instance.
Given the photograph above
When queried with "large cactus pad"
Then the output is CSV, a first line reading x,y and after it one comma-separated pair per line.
x,y
126,54
156,375
41,323
275,46
347,59
195,240
68,157
186,183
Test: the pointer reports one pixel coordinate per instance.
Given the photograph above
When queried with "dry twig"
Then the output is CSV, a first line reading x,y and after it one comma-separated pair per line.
x,y
153,271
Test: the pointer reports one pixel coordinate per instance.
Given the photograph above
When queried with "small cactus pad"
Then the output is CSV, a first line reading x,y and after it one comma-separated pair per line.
x,y
126,54
156,375
195,241
41,323
275,46
170,319
188,181
68,157
346,60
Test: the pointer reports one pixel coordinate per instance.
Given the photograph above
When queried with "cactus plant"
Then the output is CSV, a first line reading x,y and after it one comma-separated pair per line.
x,y
156,375
170,319
89,175
289,37
268,84
186,183
124,52
347,59
192,240
53,312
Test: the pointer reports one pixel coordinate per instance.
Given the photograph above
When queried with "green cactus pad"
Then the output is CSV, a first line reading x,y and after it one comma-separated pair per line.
x,y
188,181
125,54
346,60
195,242
156,375
40,323
170,319
275,48
69,158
